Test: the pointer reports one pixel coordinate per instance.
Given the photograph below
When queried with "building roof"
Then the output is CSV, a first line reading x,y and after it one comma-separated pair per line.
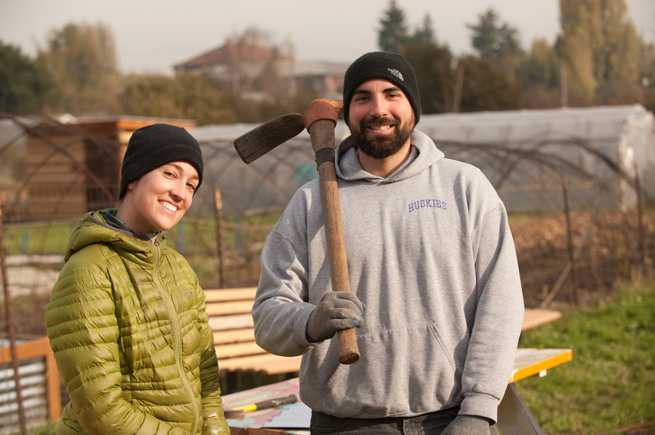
x,y
320,68
230,52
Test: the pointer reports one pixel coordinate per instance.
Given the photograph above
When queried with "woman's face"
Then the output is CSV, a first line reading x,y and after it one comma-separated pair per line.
x,y
159,199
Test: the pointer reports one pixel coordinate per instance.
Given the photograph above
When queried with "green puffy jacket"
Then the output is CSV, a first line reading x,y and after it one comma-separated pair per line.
x,y
130,334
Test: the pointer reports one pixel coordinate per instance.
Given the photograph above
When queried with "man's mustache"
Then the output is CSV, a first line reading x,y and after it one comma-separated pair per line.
x,y
378,122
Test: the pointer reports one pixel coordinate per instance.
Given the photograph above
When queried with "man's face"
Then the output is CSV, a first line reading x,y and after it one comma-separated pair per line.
x,y
381,118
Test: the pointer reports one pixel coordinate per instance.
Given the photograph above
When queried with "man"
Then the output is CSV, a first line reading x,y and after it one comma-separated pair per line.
x,y
436,292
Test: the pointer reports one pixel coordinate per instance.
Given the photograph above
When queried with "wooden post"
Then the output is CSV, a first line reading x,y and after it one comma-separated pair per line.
x,y
52,384
569,236
564,90
10,325
457,98
640,220
218,208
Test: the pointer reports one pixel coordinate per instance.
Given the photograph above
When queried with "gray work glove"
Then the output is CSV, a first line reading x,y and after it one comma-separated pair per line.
x,y
467,425
336,311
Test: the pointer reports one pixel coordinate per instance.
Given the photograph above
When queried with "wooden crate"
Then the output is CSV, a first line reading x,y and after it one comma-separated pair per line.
x,y
39,380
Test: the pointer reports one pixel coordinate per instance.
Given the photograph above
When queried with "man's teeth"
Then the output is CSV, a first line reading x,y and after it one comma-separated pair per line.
x,y
169,206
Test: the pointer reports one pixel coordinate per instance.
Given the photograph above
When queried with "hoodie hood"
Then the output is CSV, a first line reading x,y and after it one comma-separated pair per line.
x,y
423,155
93,228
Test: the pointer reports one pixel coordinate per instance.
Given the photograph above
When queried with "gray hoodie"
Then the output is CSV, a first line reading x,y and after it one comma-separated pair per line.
x,y
431,255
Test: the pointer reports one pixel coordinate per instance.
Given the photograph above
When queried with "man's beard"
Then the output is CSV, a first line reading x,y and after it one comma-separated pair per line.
x,y
382,146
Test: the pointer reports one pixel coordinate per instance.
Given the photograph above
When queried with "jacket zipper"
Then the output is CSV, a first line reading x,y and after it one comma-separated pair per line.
x,y
176,335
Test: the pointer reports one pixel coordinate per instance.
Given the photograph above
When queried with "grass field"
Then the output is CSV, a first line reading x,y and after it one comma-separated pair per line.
x,y
610,383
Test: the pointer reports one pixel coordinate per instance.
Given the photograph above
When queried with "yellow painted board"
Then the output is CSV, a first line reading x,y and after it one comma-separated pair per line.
x,y
530,362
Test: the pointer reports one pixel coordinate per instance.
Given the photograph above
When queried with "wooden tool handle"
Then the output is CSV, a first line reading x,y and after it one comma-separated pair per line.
x,y
322,135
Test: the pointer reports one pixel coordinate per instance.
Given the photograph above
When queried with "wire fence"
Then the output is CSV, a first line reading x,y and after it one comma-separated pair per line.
x,y
580,220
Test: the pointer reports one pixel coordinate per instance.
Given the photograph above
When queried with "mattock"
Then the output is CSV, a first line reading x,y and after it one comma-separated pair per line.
x,y
320,120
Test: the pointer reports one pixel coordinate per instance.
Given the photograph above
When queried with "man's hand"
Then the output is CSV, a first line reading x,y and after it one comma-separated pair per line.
x,y
336,311
467,425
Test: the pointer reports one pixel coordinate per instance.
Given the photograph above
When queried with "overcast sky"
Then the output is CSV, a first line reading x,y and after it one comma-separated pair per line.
x,y
153,35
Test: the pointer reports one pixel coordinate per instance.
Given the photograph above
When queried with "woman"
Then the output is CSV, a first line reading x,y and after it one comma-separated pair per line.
x,y
126,319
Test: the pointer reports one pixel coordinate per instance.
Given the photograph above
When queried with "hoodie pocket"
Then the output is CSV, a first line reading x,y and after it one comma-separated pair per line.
x,y
400,372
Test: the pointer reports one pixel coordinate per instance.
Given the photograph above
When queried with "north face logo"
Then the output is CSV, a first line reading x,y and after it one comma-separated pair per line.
x,y
396,73
187,294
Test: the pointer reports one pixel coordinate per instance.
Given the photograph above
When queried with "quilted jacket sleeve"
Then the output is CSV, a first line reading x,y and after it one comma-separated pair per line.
x,y
212,406
83,333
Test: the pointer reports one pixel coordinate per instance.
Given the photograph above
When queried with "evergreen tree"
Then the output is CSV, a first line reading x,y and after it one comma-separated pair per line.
x,y
434,75
424,34
539,73
487,86
540,65
430,60
24,82
494,40
647,73
394,32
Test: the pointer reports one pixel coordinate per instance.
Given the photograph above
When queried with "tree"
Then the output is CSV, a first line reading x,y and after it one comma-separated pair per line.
x,y
424,34
487,86
82,60
434,75
598,46
647,73
24,82
540,65
394,32
539,72
430,60
494,40
186,96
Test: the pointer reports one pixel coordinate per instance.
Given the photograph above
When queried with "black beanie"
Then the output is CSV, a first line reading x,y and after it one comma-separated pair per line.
x,y
155,145
382,65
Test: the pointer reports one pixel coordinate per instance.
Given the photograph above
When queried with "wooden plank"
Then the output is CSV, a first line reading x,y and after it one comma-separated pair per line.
x,y
537,317
224,308
60,180
272,364
53,386
231,294
231,321
238,349
234,336
26,350
530,362
237,321
55,200
53,157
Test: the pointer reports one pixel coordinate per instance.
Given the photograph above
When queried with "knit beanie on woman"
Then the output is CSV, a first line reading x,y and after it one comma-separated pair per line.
x,y
155,145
